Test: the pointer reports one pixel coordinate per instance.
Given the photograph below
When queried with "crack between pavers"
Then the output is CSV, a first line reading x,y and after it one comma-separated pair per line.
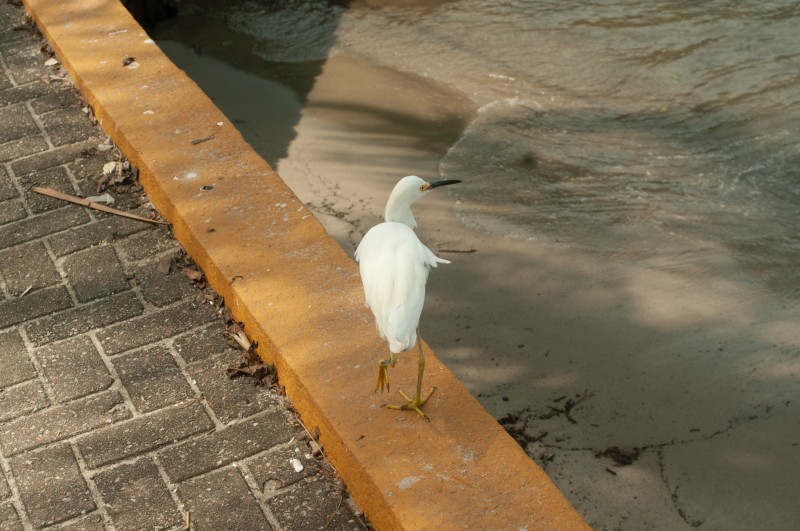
x,y
117,385
198,394
258,494
37,366
97,498
59,265
38,121
16,500
7,71
172,488
20,190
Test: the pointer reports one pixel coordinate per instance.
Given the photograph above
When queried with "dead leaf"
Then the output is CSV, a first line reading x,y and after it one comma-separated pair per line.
x,y
240,338
100,184
193,274
164,265
252,365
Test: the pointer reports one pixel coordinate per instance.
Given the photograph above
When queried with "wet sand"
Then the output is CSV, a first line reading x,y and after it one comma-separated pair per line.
x,y
691,377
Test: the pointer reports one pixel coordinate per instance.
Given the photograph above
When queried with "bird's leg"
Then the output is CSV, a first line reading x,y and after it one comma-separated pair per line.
x,y
418,401
383,371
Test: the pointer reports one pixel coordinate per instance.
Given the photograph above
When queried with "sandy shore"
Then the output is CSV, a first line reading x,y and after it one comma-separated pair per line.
x,y
689,377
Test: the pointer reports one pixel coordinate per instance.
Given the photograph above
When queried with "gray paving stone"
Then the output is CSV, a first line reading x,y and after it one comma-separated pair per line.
x,y
159,289
26,63
236,442
155,327
73,368
230,399
201,343
22,399
89,166
137,498
149,243
9,17
274,470
51,485
24,147
11,211
95,273
5,490
83,318
17,123
56,157
21,93
5,82
21,41
14,359
7,188
315,504
106,230
53,97
55,178
9,519
36,304
6,34
27,267
152,378
67,126
143,434
222,500
61,421
45,224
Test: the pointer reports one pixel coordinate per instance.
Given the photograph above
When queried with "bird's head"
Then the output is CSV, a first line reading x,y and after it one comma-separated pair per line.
x,y
405,193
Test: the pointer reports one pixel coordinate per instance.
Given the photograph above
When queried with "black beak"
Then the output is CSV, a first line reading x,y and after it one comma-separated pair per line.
x,y
444,182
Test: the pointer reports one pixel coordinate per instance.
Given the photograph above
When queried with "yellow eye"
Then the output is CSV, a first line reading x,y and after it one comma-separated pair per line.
x,y
422,188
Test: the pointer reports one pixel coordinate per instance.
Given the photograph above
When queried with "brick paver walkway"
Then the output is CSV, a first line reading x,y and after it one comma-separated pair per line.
x,y
116,411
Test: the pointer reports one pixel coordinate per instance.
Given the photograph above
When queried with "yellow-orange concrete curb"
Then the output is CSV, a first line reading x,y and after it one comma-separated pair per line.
x,y
298,293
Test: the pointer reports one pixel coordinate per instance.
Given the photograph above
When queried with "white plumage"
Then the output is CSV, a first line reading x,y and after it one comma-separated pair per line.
x,y
394,267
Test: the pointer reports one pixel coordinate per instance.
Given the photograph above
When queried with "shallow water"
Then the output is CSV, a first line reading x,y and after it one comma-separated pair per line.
x,y
659,128
619,124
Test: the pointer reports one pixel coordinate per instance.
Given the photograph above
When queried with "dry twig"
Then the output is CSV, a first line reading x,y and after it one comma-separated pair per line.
x,y
82,201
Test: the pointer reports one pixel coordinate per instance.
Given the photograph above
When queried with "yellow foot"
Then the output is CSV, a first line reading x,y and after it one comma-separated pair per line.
x,y
414,404
383,376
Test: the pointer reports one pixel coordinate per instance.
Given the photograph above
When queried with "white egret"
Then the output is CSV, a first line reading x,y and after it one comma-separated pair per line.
x,y
394,267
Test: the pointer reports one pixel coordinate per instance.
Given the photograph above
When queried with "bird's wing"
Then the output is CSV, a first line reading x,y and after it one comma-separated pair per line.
x,y
394,268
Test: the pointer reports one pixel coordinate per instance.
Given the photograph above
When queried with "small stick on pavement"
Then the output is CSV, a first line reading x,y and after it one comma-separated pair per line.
x,y
91,204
